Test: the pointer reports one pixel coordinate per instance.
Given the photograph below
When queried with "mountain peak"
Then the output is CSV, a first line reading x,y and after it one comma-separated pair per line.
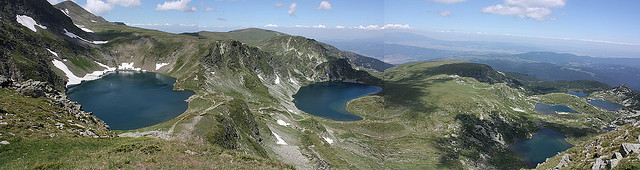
x,y
78,14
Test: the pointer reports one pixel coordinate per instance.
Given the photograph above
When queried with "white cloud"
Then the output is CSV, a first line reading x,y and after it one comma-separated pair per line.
x,y
396,26
292,9
386,26
324,5
98,7
187,25
301,26
53,2
319,26
444,13
210,9
537,3
279,4
340,27
125,3
534,9
179,5
271,26
369,27
447,1
221,19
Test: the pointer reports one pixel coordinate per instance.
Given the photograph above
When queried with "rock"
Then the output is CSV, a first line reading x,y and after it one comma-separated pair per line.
x,y
599,164
5,82
4,142
628,148
564,162
4,123
191,152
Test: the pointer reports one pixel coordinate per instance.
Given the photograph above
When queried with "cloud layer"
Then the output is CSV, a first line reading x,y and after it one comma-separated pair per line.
x,y
534,9
179,5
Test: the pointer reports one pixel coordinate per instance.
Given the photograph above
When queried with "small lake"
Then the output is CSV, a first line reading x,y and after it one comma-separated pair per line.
x,y
607,105
546,143
131,100
555,109
579,94
329,99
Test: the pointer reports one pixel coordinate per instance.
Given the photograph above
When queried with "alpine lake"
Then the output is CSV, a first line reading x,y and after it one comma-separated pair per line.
x,y
128,100
329,99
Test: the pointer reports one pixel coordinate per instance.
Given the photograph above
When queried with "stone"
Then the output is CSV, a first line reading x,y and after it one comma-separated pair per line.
x,y
4,142
564,162
628,148
599,164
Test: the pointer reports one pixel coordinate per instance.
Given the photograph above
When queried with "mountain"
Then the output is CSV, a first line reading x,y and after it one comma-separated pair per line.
x,y
78,14
550,66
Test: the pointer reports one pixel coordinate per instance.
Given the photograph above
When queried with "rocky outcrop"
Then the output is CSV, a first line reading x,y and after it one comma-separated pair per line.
x,y
72,119
624,96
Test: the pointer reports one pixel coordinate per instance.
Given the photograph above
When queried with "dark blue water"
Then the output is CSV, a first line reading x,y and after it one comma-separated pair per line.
x,y
610,106
544,144
131,100
548,109
329,99
579,94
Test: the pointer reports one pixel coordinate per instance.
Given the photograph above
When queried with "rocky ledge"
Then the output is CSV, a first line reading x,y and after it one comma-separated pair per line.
x,y
71,119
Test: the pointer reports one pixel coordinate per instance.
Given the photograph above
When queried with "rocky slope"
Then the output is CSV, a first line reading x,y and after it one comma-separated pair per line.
x,y
36,109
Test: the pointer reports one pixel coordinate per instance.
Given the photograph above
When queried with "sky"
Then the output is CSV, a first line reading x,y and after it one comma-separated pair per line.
x,y
611,22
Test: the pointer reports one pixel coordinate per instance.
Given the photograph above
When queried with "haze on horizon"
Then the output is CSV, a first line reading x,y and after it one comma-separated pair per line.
x,y
586,27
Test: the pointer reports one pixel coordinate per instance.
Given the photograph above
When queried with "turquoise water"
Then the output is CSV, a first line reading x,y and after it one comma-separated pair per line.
x,y
544,144
610,106
548,109
329,99
131,100
579,94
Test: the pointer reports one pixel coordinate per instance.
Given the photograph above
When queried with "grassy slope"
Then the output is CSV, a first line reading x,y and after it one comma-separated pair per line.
x,y
421,120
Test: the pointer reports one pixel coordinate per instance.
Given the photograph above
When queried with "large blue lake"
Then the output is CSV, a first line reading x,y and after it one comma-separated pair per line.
x,y
546,143
329,99
579,94
607,105
131,100
548,109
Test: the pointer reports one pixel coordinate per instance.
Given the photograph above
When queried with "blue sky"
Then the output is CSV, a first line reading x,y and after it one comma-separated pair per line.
x,y
595,21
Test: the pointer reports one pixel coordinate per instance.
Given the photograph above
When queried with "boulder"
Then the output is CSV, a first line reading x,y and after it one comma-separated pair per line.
x,y
564,162
599,164
628,148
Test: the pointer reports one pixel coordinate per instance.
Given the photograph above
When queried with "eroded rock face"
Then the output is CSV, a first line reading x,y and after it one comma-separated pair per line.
x,y
77,121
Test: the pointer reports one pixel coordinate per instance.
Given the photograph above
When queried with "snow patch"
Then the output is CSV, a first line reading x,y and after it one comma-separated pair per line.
x,y
160,65
277,79
94,21
83,28
329,140
29,22
280,141
517,109
72,79
54,53
72,35
283,123
66,12
293,81
128,66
